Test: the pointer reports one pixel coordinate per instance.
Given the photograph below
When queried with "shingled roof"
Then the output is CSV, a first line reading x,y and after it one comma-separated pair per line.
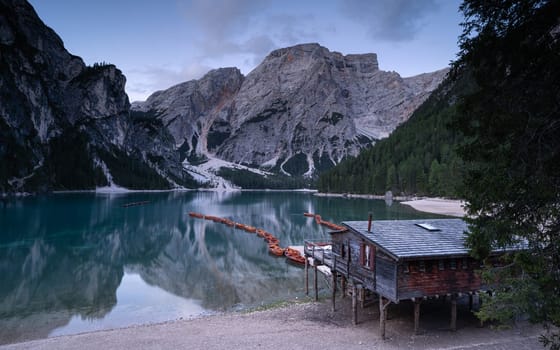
x,y
406,239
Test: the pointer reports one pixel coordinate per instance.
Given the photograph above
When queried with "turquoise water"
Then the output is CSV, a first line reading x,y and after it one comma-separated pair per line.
x,y
78,262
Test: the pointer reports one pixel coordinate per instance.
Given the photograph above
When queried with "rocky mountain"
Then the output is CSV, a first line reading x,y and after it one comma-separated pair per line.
x,y
64,125
68,126
300,112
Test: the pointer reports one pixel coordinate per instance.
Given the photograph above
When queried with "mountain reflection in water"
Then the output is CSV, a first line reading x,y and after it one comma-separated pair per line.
x,y
76,262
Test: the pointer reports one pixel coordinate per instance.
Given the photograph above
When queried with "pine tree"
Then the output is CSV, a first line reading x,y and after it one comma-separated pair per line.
x,y
512,152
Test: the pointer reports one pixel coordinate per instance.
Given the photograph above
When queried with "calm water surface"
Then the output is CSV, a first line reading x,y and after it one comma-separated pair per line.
x,y
79,262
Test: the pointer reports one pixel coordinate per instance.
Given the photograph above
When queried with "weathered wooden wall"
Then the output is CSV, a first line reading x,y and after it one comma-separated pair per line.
x,y
386,276
382,279
414,283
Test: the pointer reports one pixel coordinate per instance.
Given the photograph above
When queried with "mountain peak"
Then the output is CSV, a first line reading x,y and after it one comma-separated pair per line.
x,y
365,63
299,112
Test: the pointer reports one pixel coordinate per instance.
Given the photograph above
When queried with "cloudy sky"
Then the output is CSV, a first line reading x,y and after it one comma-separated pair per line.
x,y
161,43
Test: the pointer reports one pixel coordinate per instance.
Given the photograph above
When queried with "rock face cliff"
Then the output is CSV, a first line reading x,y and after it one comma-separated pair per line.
x,y
301,111
64,125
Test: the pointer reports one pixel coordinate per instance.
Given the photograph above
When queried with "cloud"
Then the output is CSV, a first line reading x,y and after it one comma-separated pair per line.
x,y
390,20
142,82
247,27
220,25
290,29
165,77
258,46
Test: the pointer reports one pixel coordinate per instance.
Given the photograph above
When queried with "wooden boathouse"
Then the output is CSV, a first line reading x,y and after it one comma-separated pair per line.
x,y
399,260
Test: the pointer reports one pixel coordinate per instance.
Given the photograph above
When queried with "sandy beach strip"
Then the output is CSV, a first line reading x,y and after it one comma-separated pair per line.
x,y
451,207
309,325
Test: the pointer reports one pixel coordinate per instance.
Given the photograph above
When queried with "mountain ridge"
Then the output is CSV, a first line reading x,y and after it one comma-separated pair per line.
x,y
299,112
68,126
65,125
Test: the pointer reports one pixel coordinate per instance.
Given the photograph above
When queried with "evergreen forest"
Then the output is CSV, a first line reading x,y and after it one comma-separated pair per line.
x,y
419,157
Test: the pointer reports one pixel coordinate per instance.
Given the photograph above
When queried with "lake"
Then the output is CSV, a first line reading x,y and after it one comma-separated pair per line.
x,y
77,262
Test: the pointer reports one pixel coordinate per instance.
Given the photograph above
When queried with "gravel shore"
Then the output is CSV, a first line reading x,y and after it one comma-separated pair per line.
x,y
308,325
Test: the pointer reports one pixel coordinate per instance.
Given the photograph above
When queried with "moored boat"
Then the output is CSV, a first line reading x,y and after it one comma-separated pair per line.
x,y
275,249
196,215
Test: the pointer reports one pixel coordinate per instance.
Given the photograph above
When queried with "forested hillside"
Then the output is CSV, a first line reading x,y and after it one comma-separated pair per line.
x,y
417,158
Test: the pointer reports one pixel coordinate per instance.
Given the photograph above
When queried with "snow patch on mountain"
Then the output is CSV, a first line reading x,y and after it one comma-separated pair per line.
x,y
206,173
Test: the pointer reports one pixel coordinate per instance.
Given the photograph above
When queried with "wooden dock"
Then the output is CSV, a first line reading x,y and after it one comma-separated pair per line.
x,y
318,257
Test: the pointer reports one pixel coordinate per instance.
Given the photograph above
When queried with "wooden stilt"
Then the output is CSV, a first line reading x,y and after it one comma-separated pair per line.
x,y
343,285
481,322
453,312
382,316
333,290
416,315
362,297
354,304
470,301
306,275
315,282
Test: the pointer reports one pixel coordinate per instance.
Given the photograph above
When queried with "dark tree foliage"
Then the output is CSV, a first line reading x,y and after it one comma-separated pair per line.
x,y
512,129
417,158
131,172
71,163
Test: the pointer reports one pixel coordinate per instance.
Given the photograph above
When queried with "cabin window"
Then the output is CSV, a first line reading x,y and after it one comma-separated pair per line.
x,y
343,251
441,265
464,264
422,266
367,255
453,264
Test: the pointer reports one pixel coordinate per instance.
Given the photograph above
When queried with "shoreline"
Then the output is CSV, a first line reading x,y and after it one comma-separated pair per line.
x,y
450,207
365,196
303,325
103,190
433,205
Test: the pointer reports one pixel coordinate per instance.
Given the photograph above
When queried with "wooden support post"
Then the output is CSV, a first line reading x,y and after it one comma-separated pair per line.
x,y
416,315
333,290
470,301
362,297
343,285
306,275
315,282
354,304
481,323
453,312
382,316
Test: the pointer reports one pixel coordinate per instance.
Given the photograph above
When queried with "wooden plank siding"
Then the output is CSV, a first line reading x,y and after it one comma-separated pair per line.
x,y
423,278
386,277
349,247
